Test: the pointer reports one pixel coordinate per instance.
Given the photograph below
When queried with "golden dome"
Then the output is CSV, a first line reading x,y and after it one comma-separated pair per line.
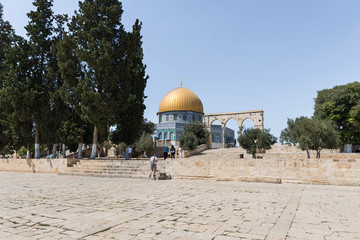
x,y
181,99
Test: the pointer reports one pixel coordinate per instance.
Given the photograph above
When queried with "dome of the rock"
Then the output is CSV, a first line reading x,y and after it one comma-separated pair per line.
x,y
181,99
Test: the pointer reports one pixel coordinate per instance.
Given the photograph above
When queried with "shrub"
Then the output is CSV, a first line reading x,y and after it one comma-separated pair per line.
x,y
188,141
22,151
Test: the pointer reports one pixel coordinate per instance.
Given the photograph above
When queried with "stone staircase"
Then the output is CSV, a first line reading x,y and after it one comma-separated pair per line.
x,y
110,168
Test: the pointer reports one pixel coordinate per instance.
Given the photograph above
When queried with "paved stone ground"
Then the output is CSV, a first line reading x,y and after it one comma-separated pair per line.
x,y
48,206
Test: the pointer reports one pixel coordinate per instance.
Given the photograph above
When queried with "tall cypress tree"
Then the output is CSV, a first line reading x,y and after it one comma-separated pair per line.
x,y
15,127
70,69
15,94
129,123
6,39
40,31
58,109
99,44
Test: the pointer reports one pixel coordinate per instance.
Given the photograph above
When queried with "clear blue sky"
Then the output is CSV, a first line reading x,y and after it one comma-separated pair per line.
x,y
239,55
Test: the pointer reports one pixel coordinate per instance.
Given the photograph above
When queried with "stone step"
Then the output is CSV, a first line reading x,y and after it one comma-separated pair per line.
x,y
112,164
102,171
118,166
105,175
91,168
110,168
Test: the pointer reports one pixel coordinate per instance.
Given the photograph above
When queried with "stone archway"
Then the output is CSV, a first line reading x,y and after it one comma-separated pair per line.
x,y
257,116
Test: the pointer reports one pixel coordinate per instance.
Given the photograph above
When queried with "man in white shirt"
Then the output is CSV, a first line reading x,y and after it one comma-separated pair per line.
x,y
130,152
153,164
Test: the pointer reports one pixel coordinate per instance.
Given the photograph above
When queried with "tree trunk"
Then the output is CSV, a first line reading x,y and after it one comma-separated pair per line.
x,y
80,146
308,153
54,151
37,141
80,150
64,150
28,151
99,154
94,145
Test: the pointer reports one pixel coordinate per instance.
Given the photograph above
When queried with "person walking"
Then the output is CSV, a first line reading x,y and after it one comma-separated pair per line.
x,y
153,165
180,152
130,152
166,152
172,152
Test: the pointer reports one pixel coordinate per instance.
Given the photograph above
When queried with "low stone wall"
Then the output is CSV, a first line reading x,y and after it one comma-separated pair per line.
x,y
285,148
198,150
341,169
320,171
33,165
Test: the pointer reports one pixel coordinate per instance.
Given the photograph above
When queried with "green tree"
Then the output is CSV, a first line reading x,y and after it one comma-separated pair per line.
x,y
22,151
145,143
69,133
26,82
253,139
189,141
148,127
199,130
15,110
7,36
101,55
128,131
311,134
40,32
292,133
122,148
130,123
58,108
341,104
70,69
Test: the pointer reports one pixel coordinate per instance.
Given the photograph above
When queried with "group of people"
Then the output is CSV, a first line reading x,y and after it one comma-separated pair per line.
x,y
172,152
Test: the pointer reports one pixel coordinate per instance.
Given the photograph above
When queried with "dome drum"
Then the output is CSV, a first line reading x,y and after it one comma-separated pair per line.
x,y
180,116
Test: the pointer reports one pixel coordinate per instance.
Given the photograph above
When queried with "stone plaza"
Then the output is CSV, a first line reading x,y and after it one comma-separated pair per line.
x,y
51,206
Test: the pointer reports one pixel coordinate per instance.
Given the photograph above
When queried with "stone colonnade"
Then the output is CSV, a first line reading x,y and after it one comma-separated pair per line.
x,y
257,116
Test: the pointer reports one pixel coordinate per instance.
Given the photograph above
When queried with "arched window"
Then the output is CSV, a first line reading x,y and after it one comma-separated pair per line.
x,y
217,138
165,135
171,136
160,135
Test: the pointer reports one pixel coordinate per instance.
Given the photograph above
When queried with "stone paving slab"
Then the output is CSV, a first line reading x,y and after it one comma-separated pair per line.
x,y
49,206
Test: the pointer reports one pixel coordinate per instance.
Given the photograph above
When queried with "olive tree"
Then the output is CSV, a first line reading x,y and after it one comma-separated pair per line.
x,y
253,139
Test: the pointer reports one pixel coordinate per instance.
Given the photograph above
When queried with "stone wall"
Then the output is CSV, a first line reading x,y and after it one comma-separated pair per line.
x,y
344,171
279,148
198,150
33,165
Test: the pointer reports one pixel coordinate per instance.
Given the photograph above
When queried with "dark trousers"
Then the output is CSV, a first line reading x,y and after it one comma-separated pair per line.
x,y
165,155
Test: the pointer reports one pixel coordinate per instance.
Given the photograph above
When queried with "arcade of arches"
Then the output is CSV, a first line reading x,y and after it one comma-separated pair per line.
x,y
257,116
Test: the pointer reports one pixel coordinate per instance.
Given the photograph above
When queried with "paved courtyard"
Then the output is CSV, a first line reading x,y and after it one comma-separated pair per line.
x,y
49,206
